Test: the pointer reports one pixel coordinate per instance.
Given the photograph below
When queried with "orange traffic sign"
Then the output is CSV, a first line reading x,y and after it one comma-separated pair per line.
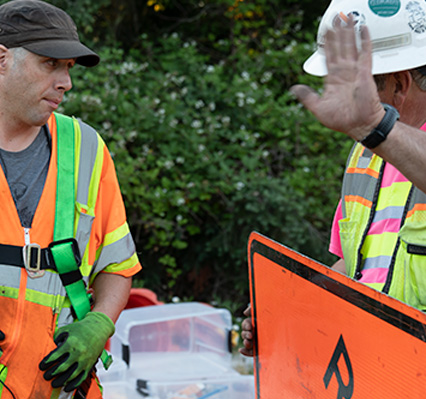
x,y
322,335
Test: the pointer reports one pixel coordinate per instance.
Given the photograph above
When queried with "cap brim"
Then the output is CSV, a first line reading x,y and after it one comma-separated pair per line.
x,y
62,49
315,65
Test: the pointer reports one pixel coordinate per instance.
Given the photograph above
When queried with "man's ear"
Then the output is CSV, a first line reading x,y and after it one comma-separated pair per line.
x,y
402,84
3,57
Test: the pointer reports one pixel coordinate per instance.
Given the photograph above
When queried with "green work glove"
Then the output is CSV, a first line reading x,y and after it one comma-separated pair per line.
x,y
79,347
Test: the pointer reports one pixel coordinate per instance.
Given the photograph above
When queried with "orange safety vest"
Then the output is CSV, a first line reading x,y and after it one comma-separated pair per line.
x,y
32,308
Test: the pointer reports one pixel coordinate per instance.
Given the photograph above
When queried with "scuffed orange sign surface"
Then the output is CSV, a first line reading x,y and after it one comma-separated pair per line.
x,y
323,335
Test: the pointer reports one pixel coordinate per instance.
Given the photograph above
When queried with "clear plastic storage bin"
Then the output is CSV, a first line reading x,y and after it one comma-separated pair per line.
x,y
173,341
231,386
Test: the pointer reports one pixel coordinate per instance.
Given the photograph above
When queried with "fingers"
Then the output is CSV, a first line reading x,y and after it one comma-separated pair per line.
x,y
247,311
366,48
307,96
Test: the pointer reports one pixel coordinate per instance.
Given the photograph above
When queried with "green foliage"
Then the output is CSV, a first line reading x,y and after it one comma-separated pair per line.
x,y
192,99
208,152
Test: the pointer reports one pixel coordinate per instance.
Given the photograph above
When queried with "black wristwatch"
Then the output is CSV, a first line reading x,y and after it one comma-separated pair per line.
x,y
379,133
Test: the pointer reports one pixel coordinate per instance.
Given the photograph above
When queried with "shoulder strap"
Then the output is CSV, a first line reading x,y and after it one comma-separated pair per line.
x,y
64,248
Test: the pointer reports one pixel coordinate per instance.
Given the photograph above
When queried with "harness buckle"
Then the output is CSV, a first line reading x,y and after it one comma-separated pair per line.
x,y
32,261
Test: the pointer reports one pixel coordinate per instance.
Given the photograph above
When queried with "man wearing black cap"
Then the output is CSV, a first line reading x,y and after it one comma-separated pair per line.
x,y
63,224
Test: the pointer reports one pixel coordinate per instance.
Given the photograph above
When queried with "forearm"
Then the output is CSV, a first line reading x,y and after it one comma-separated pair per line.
x,y
339,266
405,148
111,294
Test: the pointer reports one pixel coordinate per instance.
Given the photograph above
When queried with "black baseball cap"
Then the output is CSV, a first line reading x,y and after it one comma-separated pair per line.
x,y
43,29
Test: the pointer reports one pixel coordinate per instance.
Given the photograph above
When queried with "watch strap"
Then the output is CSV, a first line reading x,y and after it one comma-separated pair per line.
x,y
381,131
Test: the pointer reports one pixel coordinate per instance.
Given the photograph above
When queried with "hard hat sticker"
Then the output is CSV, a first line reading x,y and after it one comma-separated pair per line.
x,y
384,8
416,17
359,19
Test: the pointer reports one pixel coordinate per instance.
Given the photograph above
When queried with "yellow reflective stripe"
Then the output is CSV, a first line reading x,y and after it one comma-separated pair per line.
x,y
378,245
394,195
41,298
376,286
9,292
116,235
3,375
96,175
127,264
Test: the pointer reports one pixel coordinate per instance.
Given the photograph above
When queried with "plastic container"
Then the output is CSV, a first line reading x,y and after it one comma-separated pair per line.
x,y
231,386
173,341
119,390
117,372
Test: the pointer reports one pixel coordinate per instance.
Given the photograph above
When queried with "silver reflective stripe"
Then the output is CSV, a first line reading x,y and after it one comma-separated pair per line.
x,y
88,152
50,284
391,212
377,262
65,317
418,197
116,252
83,231
364,161
11,276
361,185
65,395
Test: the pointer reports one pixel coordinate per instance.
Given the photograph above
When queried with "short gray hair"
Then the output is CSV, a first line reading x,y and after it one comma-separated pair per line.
x,y
419,79
19,54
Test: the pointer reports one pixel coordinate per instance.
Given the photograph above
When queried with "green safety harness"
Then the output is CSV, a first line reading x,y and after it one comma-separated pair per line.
x,y
64,250
62,254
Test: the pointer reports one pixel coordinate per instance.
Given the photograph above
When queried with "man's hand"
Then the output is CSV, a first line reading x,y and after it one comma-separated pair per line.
x,y
350,102
247,333
79,346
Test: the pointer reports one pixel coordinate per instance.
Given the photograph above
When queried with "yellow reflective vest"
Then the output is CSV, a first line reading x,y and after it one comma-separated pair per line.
x,y
406,278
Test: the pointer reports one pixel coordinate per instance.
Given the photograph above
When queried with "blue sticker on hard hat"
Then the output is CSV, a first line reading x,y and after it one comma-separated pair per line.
x,y
384,8
416,17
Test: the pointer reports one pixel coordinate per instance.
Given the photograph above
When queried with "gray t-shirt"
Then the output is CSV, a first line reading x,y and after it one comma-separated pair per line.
x,y
26,173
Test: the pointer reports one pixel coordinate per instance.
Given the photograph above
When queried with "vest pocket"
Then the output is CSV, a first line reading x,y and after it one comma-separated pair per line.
x,y
414,274
350,237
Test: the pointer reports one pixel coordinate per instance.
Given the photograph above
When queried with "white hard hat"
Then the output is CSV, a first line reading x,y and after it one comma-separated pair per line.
x,y
397,30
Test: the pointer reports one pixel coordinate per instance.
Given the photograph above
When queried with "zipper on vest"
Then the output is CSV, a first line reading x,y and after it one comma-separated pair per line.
x,y
358,273
27,236
387,285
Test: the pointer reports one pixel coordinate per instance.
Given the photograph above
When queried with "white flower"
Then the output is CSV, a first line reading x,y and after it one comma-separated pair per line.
x,y
226,119
106,125
199,104
265,154
196,124
210,69
266,77
168,164
201,148
250,100
180,201
212,106
245,75
239,185
180,160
